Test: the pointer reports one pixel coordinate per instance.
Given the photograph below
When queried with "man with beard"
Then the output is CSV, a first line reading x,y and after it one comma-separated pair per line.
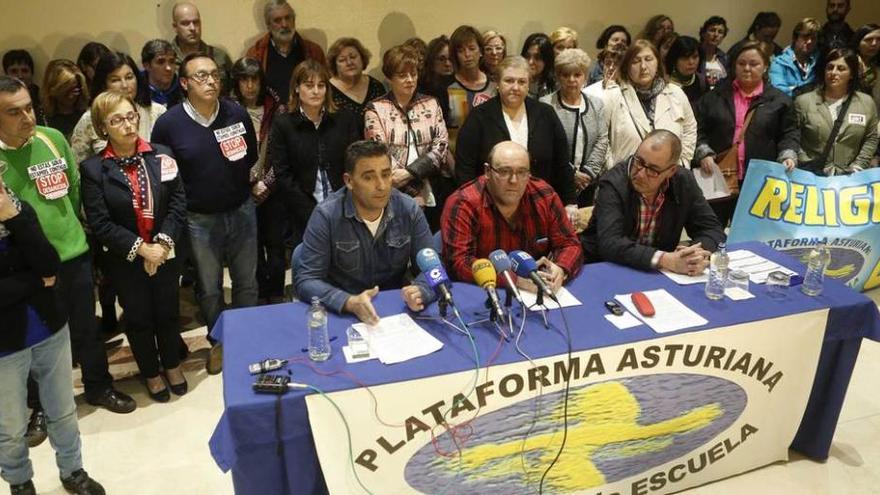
x,y
643,204
282,48
187,23
836,33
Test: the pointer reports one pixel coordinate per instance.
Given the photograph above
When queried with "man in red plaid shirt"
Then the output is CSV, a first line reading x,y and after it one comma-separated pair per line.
x,y
507,209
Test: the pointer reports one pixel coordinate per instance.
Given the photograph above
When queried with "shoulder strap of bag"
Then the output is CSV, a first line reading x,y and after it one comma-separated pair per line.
x,y
745,127
834,131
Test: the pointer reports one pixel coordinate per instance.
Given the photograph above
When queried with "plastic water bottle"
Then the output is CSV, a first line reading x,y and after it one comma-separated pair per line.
x,y
818,261
319,340
719,264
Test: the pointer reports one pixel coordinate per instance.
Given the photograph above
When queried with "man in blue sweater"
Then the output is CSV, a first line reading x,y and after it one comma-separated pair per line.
x,y
215,146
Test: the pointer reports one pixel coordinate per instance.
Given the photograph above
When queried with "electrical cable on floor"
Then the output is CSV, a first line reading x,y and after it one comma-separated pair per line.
x,y
565,404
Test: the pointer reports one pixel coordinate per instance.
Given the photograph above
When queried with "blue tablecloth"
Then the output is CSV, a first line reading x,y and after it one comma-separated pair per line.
x,y
267,441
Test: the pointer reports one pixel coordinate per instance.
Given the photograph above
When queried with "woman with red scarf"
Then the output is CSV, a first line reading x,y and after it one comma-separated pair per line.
x,y
135,205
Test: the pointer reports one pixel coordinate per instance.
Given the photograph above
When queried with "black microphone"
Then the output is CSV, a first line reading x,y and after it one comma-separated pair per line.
x,y
524,266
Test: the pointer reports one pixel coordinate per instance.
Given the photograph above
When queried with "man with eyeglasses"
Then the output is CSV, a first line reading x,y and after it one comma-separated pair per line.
x,y
506,208
215,145
41,170
642,206
794,69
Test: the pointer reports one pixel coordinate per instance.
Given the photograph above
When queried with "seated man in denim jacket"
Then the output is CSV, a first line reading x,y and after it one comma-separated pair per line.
x,y
362,238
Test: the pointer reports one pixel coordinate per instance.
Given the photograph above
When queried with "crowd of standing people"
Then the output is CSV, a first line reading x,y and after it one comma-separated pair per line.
x,y
123,180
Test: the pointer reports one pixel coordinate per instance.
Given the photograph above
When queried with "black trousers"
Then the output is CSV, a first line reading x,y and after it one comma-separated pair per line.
x,y
271,262
76,291
152,312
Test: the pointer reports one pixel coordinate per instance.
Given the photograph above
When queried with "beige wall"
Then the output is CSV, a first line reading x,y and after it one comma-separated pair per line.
x,y
58,29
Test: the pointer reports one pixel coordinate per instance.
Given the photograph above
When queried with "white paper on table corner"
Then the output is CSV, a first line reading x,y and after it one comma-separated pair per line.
x,y
398,338
624,321
566,299
670,313
687,279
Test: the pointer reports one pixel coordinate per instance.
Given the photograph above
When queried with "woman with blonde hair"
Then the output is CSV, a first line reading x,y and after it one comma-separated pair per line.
x,y
583,118
65,95
494,51
136,207
563,38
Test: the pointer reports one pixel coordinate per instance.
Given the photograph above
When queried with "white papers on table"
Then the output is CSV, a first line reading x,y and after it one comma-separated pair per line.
x,y
624,321
756,266
565,297
398,338
670,314
687,279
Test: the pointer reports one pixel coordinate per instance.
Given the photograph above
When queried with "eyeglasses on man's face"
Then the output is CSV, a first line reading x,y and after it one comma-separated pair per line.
x,y
507,173
650,170
202,76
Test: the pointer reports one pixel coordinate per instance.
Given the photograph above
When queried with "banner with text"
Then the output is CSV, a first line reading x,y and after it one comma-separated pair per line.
x,y
792,212
651,417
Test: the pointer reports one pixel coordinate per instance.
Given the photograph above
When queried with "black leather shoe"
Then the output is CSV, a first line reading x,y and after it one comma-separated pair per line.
x,y
81,484
23,489
180,388
114,401
160,396
36,428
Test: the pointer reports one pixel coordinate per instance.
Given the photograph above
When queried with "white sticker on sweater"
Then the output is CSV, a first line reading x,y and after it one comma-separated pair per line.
x,y
234,149
857,118
169,168
47,168
50,178
230,132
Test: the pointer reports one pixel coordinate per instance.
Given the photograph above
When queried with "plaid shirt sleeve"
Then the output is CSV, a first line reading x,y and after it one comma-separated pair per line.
x,y
459,226
566,249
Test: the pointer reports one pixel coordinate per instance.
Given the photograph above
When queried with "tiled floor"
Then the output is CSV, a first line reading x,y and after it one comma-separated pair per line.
x,y
163,448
